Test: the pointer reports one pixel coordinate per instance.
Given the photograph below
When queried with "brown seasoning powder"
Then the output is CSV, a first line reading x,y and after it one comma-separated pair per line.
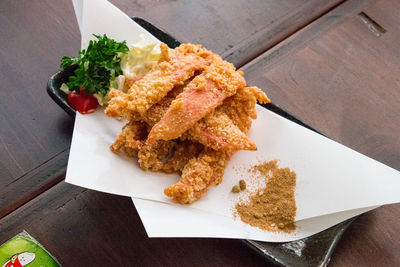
x,y
272,208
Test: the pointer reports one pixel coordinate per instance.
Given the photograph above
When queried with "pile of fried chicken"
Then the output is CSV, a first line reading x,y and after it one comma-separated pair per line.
x,y
188,115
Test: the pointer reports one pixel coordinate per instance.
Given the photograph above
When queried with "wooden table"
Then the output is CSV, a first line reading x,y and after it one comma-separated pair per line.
x,y
334,64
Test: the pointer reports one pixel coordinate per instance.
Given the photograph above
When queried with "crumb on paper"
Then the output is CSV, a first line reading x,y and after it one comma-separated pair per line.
x,y
235,189
242,184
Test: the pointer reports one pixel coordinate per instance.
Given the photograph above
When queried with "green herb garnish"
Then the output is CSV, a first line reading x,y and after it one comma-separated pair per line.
x,y
97,65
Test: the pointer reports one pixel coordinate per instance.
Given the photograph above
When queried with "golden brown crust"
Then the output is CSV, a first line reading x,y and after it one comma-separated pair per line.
x,y
167,156
200,97
218,131
117,108
174,68
165,53
187,115
198,175
162,78
131,139
240,108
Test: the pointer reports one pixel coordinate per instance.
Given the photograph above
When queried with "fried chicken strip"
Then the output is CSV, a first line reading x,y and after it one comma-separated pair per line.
x,y
240,108
204,93
131,138
218,131
186,49
154,114
209,167
227,126
154,86
118,106
168,156
174,68
198,175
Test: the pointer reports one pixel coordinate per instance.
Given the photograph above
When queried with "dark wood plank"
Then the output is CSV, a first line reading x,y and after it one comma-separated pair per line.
x,y
340,75
33,183
36,34
87,228
341,79
372,240
238,30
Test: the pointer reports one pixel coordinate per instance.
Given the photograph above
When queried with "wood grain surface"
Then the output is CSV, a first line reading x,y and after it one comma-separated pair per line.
x,y
341,79
33,183
35,34
86,228
340,75
239,31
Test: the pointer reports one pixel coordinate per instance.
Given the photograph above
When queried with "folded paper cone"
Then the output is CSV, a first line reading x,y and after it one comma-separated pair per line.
x,y
177,221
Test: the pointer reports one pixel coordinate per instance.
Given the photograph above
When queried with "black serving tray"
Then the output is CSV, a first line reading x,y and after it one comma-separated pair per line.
x,y
312,251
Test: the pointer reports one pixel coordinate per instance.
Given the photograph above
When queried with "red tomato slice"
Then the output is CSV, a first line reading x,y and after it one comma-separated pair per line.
x,y
82,102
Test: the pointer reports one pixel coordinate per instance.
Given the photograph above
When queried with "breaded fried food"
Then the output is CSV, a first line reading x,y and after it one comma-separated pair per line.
x,y
218,131
226,128
240,108
188,115
200,97
168,156
154,114
155,85
198,175
131,138
117,106
174,68
152,157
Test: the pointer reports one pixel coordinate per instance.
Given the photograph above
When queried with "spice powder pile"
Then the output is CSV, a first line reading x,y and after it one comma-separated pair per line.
x,y
272,208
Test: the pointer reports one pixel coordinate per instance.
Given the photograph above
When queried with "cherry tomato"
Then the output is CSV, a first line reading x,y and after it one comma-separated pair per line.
x,y
82,102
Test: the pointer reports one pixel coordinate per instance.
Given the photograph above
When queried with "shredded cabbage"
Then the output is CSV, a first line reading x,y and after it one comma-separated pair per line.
x,y
137,62
64,88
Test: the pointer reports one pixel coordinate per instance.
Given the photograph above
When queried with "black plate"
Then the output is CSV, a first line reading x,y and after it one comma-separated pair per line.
x,y
312,251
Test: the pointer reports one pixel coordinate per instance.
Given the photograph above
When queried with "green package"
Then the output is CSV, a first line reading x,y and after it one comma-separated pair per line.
x,y
24,250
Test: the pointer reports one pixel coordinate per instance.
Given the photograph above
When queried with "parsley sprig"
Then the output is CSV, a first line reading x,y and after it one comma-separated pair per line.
x,y
97,65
